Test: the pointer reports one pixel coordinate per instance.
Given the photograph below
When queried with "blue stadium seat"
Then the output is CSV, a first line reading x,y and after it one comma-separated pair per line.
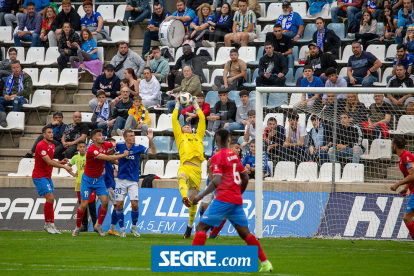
x,y
253,80
259,55
289,77
299,73
162,144
295,53
275,100
252,98
212,98
234,95
310,29
208,145
339,29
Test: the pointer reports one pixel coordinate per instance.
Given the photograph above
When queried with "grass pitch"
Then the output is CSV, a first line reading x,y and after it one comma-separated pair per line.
x,y
39,253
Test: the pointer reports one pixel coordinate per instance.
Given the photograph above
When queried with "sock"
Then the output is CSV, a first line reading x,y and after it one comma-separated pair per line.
x,y
251,240
216,230
182,185
202,212
192,213
200,238
48,211
120,216
410,227
102,214
79,218
134,216
114,217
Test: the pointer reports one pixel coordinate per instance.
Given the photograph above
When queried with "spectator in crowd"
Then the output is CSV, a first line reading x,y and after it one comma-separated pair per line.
x,y
108,82
102,112
196,5
125,58
368,29
402,58
137,11
328,110
87,51
379,119
74,133
273,138
149,89
294,144
68,14
272,68
241,114
188,58
250,127
402,79
133,83
356,111
320,61
234,74
138,117
224,111
395,6
313,102
48,17
291,22
94,22
388,31
68,45
320,138
40,5
334,81
282,44
191,113
200,25
346,8
120,115
185,15
58,130
326,39
190,84
7,8
362,67
249,161
5,66
11,17
244,26
374,7
348,140
157,17
33,22
253,5
158,64
404,21
408,40
220,26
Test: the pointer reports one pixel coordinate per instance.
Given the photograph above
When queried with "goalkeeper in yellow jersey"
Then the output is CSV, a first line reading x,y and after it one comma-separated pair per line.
x,y
191,151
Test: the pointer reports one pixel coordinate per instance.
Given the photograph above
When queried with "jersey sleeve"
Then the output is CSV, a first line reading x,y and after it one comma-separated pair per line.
x,y
201,128
41,150
138,149
216,165
176,127
93,152
73,160
409,162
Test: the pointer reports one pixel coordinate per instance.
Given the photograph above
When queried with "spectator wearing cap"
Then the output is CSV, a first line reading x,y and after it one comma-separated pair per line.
x,y
244,26
32,21
291,22
362,67
282,44
402,79
109,83
235,68
58,130
94,22
272,68
320,138
326,39
320,61
346,8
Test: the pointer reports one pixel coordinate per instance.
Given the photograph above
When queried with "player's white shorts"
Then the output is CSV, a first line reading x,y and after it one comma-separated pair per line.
x,y
124,187
111,196
208,198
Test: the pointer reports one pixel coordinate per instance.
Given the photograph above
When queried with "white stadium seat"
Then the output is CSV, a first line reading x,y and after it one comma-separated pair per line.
x,y
405,125
204,172
210,50
247,53
118,34
307,171
223,55
107,11
142,140
164,123
26,166
380,149
51,57
41,98
279,118
171,169
377,50
300,8
68,78
86,117
34,55
302,54
6,33
284,171
119,14
387,72
325,174
216,72
178,53
15,121
34,74
273,12
154,167
294,99
47,76
366,99
353,173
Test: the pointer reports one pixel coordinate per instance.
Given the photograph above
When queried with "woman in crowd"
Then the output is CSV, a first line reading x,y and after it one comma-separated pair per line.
x,y
200,25
87,51
356,110
133,82
221,26
68,45
409,40
368,29
326,39
389,28
48,17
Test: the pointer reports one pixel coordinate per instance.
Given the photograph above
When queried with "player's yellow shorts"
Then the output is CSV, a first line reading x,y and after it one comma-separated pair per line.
x,y
193,174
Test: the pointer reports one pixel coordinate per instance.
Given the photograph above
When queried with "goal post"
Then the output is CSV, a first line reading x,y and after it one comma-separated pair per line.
x,y
329,188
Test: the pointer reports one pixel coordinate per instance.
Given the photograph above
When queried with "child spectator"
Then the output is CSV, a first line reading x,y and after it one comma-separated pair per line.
x,y
249,162
320,139
102,112
241,114
250,128
138,119
294,145
273,138
313,100
224,111
87,51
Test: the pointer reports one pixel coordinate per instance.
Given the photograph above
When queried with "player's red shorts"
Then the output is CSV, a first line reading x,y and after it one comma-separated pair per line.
x,y
91,198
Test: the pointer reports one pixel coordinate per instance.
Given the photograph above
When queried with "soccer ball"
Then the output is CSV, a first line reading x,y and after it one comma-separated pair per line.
x,y
186,98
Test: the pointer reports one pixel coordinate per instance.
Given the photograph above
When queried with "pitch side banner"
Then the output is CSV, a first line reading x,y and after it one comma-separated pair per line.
x,y
354,215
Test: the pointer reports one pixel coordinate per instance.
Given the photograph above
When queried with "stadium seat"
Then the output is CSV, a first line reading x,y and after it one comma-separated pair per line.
x,y
234,95
380,149
101,54
204,171
68,78
20,53
279,118
206,73
307,171
34,55
259,55
25,168
252,98
171,168
262,35
223,55
387,72
47,76
253,80
154,167
6,33
86,117
284,171
294,99
338,28
164,123
273,12
119,139
162,144
34,74
325,13
343,72
119,14
212,98
51,57
295,53
345,55
405,125
377,50
142,140
81,12
208,145
299,73
299,7
353,173
64,173
310,29
210,50
289,78
391,53
118,34
107,11
216,72
276,100
178,54
262,9
325,174
15,121
41,98
309,125
247,53
366,99
55,171
302,55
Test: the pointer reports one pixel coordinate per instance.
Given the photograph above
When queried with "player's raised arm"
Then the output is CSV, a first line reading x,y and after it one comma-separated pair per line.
x,y
53,163
201,128
175,122
152,149
112,157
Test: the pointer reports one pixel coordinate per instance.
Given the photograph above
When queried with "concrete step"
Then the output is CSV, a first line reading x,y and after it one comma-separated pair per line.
x,y
26,142
85,91
71,107
34,129
394,173
83,98
9,166
85,85
15,152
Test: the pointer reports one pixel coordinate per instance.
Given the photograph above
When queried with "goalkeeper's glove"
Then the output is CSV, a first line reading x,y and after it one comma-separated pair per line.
x,y
195,104
177,101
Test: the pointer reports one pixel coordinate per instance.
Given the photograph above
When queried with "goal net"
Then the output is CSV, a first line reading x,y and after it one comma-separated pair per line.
x,y
305,136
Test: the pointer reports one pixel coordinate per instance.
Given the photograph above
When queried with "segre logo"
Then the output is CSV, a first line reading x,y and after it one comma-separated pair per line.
x,y
204,258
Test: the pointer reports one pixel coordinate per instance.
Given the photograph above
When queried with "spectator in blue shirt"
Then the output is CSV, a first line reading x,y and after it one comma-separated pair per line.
x,y
249,161
314,100
159,15
33,22
137,10
409,40
220,26
184,14
86,51
291,22
94,22
200,24
402,58
320,140
405,19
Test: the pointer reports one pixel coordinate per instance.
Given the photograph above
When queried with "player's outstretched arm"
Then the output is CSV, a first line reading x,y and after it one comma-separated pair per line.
x,y
210,188
112,157
152,149
55,164
409,178
175,122
201,128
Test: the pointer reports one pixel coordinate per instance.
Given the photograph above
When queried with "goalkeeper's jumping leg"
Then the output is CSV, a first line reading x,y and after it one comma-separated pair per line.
x,y
187,201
